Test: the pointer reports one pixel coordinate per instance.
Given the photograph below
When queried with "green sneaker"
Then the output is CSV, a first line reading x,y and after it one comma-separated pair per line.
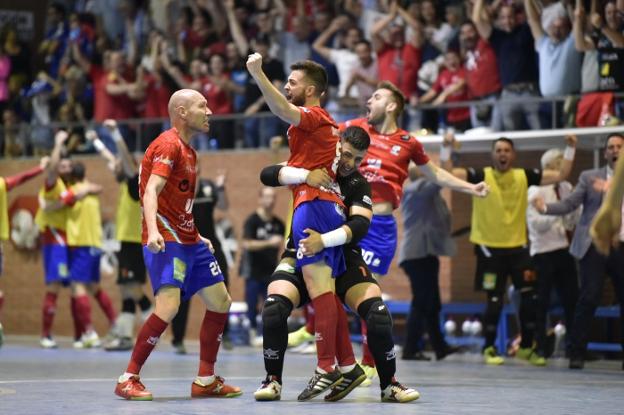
x,y
300,336
371,372
491,357
529,354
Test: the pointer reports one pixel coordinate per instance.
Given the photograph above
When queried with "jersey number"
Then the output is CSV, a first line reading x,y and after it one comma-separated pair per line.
x,y
214,269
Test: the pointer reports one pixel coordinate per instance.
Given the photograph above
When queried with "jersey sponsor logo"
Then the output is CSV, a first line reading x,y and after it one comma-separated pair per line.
x,y
153,340
184,185
163,160
395,150
405,137
373,163
271,354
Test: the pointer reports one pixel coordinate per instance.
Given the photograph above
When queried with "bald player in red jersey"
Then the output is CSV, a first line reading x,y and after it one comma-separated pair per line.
x,y
314,143
385,167
179,260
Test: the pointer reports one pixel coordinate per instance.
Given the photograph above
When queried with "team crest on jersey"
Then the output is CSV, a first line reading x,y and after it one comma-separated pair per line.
x,y
395,150
405,137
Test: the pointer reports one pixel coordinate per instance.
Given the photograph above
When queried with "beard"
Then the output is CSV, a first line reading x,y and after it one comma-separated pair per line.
x,y
297,100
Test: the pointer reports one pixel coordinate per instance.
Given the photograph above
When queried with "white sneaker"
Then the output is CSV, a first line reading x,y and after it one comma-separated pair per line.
x,y
371,372
256,341
395,392
91,339
270,390
309,349
78,344
48,343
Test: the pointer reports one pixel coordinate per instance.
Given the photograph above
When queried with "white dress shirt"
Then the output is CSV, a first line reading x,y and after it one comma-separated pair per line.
x,y
548,233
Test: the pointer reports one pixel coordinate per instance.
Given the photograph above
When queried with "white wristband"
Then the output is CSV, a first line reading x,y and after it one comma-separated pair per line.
x,y
334,238
568,153
445,153
99,145
292,175
117,137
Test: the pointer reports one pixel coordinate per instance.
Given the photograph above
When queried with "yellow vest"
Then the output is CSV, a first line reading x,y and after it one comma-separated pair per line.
x,y
499,220
4,212
84,223
55,219
128,219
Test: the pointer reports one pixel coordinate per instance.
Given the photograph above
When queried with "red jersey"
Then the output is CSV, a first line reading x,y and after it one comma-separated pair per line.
x,y
446,79
400,66
387,160
170,157
314,144
482,70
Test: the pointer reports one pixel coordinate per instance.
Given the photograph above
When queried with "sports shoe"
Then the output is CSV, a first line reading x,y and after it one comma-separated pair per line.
x,y
529,354
91,340
491,357
448,350
179,348
217,389
395,392
319,383
48,343
78,344
269,390
300,336
119,344
350,381
132,389
371,372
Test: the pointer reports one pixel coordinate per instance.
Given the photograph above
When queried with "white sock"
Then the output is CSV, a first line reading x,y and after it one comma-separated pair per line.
x,y
319,370
206,380
127,375
346,369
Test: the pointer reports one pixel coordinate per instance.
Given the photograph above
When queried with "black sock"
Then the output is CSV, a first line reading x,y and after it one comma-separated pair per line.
x,y
128,305
528,317
275,314
144,303
379,337
491,316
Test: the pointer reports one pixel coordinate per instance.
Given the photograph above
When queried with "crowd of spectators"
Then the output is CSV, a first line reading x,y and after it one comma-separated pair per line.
x,y
122,59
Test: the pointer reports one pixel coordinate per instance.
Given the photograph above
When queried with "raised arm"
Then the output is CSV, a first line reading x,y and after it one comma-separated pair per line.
x,y
445,179
554,176
99,146
337,24
481,19
533,18
276,101
51,170
127,161
240,40
380,26
613,35
581,42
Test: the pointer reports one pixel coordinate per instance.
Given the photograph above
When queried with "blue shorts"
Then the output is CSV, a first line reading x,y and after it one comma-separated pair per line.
x,y
188,267
380,243
322,216
55,260
84,264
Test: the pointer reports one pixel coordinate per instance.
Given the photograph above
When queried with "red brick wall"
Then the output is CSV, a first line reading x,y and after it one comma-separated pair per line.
x,y
22,281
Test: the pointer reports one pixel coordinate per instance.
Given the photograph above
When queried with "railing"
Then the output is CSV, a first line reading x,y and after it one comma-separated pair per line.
x,y
231,131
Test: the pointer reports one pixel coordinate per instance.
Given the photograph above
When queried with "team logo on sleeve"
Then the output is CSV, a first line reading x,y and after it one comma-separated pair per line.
x,y
163,160
395,150
405,137
367,200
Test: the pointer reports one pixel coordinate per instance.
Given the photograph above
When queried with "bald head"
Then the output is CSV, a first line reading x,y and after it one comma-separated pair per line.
x,y
182,98
188,110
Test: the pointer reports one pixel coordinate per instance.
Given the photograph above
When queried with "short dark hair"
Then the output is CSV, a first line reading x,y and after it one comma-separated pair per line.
x,y
357,137
314,72
364,41
621,135
505,140
397,95
78,170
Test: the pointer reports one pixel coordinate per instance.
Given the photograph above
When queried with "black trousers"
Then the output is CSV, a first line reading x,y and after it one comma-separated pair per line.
x,y
593,269
556,269
426,305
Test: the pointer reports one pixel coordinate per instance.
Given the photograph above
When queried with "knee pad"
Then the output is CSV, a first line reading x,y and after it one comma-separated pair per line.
x,y
276,310
377,316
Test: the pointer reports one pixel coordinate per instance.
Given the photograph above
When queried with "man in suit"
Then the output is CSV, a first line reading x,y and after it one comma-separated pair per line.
x,y
593,266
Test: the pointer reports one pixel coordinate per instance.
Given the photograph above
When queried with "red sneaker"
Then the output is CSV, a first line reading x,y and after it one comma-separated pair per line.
x,y
217,389
133,390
